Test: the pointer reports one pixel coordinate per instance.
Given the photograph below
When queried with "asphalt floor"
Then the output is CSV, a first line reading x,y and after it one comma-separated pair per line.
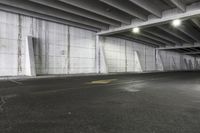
x,y
128,103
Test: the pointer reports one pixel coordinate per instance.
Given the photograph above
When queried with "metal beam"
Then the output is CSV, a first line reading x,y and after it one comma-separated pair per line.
x,y
71,9
54,13
148,6
175,33
125,7
97,8
168,15
179,4
45,17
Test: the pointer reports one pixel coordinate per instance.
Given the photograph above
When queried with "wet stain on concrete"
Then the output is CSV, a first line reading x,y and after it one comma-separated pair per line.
x,y
69,105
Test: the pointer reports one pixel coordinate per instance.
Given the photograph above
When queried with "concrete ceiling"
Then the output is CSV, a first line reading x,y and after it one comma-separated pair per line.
x,y
185,50
166,35
118,17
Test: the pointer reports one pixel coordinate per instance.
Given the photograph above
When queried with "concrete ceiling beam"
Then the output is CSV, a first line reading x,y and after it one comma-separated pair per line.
x,y
125,37
94,7
168,15
196,21
179,4
159,33
54,13
142,38
125,8
157,39
45,17
190,31
148,6
71,9
175,33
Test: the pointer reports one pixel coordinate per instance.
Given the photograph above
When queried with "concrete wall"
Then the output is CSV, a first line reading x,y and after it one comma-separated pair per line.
x,y
62,49
174,61
11,45
120,56
82,51
59,49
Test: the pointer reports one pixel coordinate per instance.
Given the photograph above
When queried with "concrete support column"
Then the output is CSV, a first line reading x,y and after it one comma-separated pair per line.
x,y
138,65
181,62
98,56
159,62
30,59
174,66
126,58
103,65
185,64
145,58
68,51
196,65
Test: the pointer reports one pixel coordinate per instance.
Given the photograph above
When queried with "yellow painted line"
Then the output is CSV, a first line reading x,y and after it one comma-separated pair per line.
x,y
137,82
106,81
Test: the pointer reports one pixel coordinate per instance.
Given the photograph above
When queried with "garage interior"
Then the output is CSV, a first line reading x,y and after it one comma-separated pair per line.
x,y
99,66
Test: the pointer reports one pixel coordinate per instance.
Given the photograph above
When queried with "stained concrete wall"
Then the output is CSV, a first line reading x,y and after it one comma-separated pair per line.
x,y
11,44
120,55
62,49
82,51
58,48
174,61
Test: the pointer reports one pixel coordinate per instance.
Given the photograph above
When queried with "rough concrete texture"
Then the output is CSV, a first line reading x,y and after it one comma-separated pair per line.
x,y
175,61
62,49
57,49
120,55
139,103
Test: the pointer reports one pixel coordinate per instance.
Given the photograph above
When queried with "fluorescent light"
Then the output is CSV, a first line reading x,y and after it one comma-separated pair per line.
x,y
176,22
136,30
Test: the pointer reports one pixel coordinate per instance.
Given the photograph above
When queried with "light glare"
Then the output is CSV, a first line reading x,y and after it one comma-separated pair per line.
x,y
136,30
176,22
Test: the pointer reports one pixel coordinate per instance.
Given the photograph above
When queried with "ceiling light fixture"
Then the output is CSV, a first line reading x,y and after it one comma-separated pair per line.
x,y
176,22
136,30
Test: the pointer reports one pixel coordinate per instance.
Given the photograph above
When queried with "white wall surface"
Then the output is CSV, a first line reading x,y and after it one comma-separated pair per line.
x,y
120,55
11,45
59,49
175,61
82,51
62,49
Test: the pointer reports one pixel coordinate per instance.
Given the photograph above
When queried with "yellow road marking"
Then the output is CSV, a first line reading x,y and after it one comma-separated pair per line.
x,y
106,81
